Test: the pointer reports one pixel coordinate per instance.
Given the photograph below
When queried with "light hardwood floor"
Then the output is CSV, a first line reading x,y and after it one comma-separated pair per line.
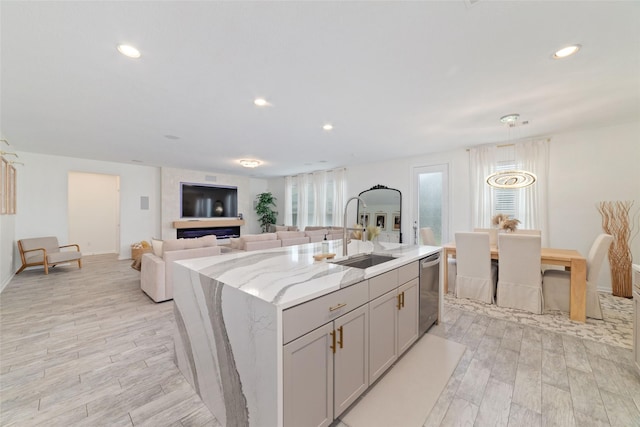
x,y
88,348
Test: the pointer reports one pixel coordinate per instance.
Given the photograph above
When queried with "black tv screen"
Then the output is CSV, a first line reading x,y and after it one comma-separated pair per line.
x,y
208,201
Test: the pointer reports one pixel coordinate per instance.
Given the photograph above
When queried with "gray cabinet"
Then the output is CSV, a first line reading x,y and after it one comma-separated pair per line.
x,y
308,379
326,370
408,315
393,327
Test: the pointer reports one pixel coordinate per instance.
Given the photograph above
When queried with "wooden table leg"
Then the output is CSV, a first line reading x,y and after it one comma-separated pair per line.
x,y
578,299
445,270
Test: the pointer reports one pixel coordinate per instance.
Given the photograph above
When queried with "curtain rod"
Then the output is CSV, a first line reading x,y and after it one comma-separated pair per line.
x,y
505,145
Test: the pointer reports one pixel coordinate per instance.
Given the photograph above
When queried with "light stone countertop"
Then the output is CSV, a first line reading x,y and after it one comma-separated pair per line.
x,y
289,276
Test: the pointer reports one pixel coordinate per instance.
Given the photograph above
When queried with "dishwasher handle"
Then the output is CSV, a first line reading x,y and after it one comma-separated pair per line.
x,y
430,261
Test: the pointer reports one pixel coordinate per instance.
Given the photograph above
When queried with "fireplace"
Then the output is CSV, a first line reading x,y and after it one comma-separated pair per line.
x,y
219,232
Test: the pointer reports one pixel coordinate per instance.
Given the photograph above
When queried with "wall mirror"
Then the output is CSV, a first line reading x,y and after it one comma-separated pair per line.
x,y
384,209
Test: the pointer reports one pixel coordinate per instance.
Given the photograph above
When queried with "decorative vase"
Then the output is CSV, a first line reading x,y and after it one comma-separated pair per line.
x,y
218,208
615,221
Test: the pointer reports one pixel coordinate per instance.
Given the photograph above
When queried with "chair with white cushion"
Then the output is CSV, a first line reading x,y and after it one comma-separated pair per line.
x,y
427,237
520,276
493,234
476,275
556,286
530,232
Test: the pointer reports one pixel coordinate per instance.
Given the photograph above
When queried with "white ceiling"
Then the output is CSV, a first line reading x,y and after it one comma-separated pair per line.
x,y
396,79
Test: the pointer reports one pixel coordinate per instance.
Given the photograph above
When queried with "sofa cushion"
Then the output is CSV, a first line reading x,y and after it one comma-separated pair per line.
x,y
289,234
179,244
259,237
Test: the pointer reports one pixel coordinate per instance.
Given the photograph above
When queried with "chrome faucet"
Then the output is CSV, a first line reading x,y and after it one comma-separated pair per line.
x,y
344,223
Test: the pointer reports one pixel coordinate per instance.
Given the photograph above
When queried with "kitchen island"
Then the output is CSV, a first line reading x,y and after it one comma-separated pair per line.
x,y
275,338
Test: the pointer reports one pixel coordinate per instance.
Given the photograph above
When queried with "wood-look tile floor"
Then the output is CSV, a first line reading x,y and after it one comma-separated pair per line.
x,y
88,348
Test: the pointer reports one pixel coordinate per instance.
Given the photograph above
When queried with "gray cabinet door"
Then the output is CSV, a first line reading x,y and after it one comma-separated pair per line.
x,y
351,359
408,315
308,379
383,326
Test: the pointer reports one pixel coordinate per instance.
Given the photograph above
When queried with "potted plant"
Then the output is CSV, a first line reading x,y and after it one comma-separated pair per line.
x,y
266,215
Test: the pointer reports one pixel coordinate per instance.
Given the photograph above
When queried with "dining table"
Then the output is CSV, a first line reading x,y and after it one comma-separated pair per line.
x,y
570,259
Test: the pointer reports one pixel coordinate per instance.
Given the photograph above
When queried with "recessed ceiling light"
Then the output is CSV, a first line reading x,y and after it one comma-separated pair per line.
x,y
566,51
261,102
327,126
129,51
250,163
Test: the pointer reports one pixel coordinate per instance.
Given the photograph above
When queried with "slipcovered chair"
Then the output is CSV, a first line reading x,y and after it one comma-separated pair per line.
x,y
520,275
529,232
493,234
556,284
427,237
476,274
46,251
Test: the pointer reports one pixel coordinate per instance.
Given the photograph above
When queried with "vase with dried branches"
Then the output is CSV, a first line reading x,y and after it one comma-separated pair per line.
x,y
615,221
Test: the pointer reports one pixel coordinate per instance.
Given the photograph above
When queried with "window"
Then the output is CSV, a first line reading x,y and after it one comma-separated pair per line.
x,y
314,199
529,204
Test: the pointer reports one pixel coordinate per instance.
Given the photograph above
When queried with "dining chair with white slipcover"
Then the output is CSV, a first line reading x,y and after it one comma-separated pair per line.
x,y
530,232
519,275
556,286
476,274
493,234
428,238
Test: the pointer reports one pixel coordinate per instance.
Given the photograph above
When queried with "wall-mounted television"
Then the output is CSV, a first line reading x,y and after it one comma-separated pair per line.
x,y
208,201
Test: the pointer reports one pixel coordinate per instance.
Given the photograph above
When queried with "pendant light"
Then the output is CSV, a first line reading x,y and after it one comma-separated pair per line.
x,y
516,178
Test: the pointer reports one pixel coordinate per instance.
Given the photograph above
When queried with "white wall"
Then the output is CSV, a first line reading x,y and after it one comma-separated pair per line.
x,y
42,199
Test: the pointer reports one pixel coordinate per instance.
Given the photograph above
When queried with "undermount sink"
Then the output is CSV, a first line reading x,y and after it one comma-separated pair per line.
x,y
364,261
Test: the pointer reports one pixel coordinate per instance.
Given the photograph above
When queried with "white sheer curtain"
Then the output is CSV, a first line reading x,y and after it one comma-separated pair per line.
x,y
288,200
319,216
533,156
320,198
531,202
482,161
303,200
339,195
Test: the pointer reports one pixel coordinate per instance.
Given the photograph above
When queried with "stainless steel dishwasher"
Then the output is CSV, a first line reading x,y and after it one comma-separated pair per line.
x,y
429,291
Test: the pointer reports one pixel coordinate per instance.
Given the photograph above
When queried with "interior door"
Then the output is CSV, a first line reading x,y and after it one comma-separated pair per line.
x,y
431,187
94,212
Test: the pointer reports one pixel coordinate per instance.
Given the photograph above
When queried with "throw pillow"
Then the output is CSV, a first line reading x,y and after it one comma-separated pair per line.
x,y
156,244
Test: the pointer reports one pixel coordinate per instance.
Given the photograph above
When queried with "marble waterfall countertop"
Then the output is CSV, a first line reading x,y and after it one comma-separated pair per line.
x,y
289,276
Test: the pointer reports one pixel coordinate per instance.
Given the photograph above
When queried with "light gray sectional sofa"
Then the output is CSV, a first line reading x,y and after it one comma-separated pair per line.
x,y
156,274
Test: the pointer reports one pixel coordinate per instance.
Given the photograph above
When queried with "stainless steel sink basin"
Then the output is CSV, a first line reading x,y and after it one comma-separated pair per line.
x,y
364,261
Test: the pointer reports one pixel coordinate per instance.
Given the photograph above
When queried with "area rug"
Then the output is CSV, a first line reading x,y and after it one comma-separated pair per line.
x,y
615,329
405,395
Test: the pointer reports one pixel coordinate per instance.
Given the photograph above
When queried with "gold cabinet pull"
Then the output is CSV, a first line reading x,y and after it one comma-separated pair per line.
x,y
340,339
337,307
399,302
402,299
333,340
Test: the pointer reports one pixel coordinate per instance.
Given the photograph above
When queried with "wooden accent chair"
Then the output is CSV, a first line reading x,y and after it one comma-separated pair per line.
x,y
46,251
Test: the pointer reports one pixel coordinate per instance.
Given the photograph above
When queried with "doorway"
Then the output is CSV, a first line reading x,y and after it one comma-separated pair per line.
x,y
94,212
431,190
